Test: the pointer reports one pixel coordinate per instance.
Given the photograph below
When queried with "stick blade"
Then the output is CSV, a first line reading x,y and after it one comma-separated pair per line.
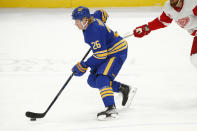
x,y
34,115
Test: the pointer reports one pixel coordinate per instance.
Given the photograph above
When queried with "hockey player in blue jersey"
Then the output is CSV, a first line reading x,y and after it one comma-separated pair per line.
x,y
109,54
101,14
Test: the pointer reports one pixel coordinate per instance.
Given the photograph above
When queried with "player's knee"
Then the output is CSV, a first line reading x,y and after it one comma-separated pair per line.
x,y
194,59
102,81
92,81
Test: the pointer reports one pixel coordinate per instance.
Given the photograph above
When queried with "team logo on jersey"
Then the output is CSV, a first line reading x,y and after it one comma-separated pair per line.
x,y
183,22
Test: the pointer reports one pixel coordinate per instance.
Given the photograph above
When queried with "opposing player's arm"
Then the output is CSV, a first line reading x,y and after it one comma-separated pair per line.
x,y
160,22
194,33
195,11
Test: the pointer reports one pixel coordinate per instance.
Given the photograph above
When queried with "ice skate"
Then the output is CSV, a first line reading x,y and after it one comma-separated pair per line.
x,y
128,93
110,113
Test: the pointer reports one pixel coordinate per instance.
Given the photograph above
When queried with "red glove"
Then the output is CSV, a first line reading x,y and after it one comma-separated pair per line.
x,y
194,33
141,31
195,11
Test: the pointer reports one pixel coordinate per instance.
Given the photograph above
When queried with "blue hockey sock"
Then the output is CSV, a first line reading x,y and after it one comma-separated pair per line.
x,y
107,95
115,86
106,91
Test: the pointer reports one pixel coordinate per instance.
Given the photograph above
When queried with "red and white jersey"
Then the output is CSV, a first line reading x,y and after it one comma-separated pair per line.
x,y
185,17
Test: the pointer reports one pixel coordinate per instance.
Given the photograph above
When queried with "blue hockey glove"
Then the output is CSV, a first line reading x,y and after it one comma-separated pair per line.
x,y
79,69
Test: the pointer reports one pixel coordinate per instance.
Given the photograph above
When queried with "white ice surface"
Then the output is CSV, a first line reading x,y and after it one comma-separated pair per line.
x,y
38,48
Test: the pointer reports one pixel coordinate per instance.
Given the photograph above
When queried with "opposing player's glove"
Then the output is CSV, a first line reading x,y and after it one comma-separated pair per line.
x,y
195,11
194,33
79,69
141,31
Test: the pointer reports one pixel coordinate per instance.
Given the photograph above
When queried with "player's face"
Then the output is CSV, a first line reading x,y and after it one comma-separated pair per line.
x,y
78,24
173,3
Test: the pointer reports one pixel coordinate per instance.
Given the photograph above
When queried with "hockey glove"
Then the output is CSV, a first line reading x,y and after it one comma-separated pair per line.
x,y
195,11
141,31
79,69
194,33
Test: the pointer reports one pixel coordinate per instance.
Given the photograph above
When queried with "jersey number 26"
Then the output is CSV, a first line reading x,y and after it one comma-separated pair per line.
x,y
96,45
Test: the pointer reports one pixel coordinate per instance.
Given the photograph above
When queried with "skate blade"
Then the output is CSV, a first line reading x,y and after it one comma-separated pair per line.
x,y
105,118
132,93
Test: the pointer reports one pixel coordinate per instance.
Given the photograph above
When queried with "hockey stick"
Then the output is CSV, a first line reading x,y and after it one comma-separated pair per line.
x,y
33,115
128,34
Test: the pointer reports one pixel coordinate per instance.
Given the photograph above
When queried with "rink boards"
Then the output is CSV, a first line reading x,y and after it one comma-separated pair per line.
x,y
75,3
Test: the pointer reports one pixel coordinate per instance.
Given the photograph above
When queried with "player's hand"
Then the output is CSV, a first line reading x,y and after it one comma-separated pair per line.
x,y
194,33
141,31
79,69
195,11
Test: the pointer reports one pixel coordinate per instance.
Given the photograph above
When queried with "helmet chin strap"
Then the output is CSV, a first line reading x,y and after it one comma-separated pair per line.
x,y
84,25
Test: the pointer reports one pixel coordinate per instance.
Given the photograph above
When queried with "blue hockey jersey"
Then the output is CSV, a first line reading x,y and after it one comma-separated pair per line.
x,y
104,43
101,14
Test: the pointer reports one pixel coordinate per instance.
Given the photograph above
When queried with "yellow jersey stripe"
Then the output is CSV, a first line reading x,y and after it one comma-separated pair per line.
x,y
113,75
99,52
108,66
104,15
122,42
107,95
104,89
119,46
116,34
80,68
116,45
106,92
115,51
99,57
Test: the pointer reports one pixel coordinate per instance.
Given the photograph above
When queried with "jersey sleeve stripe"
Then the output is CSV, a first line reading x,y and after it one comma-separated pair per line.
x,y
119,46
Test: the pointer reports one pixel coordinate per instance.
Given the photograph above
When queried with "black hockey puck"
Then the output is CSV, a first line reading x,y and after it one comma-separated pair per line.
x,y
33,119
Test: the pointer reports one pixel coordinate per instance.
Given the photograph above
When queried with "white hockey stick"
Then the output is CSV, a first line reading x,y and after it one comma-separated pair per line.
x,y
128,34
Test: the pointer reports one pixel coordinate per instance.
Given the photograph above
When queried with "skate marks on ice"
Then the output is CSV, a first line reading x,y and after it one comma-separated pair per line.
x,y
15,65
32,65
141,126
